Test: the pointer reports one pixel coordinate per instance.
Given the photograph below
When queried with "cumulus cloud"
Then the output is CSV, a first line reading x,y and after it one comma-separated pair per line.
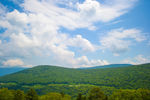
x,y
26,41
139,59
81,42
92,10
21,40
13,62
84,62
35,32
119,40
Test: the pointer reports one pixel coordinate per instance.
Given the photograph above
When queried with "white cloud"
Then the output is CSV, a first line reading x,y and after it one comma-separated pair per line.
x,y
23,41
35,32
92,10
45,41
119,40
139,59
84,62
15,22
0,42
81,42
17,19
63,17
84,15
13,62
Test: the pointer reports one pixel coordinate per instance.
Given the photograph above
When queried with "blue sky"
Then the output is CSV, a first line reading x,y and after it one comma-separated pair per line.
x,y
74,33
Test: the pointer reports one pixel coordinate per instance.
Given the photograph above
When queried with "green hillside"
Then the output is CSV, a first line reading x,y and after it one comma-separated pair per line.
x,y
132,77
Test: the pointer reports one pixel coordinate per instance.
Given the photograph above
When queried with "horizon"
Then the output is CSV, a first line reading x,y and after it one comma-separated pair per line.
x,y
74,33
25,67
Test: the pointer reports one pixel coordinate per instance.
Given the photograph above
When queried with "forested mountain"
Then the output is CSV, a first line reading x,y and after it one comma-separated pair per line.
x,y
137,76
5,71
107,66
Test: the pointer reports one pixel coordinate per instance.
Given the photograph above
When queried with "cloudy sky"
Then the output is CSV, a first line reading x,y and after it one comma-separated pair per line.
x,y
74,33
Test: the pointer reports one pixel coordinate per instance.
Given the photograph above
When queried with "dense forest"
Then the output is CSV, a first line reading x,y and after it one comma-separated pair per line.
x,y
54,79
94,94
137,76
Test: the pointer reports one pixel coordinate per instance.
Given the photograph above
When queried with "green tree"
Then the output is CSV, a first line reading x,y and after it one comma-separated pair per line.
x,y
51,96
96,94
144,94
126,94
79,96
31,95
54,96
83,97
62,94
6,94
19,95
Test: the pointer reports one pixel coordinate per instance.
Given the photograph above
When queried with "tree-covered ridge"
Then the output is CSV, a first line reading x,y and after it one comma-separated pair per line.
x,y
137,76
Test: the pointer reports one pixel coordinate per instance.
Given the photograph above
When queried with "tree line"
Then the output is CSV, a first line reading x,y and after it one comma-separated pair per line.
x,y
94,94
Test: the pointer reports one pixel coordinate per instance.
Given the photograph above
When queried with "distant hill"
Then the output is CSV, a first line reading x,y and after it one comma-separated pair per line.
x,y
107,66
5,71
135,76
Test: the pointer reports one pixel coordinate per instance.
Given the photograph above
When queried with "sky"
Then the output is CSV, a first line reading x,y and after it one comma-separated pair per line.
x,y
74,33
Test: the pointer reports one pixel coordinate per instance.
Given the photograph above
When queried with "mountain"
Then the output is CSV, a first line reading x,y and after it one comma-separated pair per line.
x,y
107,66
135,76
5,71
